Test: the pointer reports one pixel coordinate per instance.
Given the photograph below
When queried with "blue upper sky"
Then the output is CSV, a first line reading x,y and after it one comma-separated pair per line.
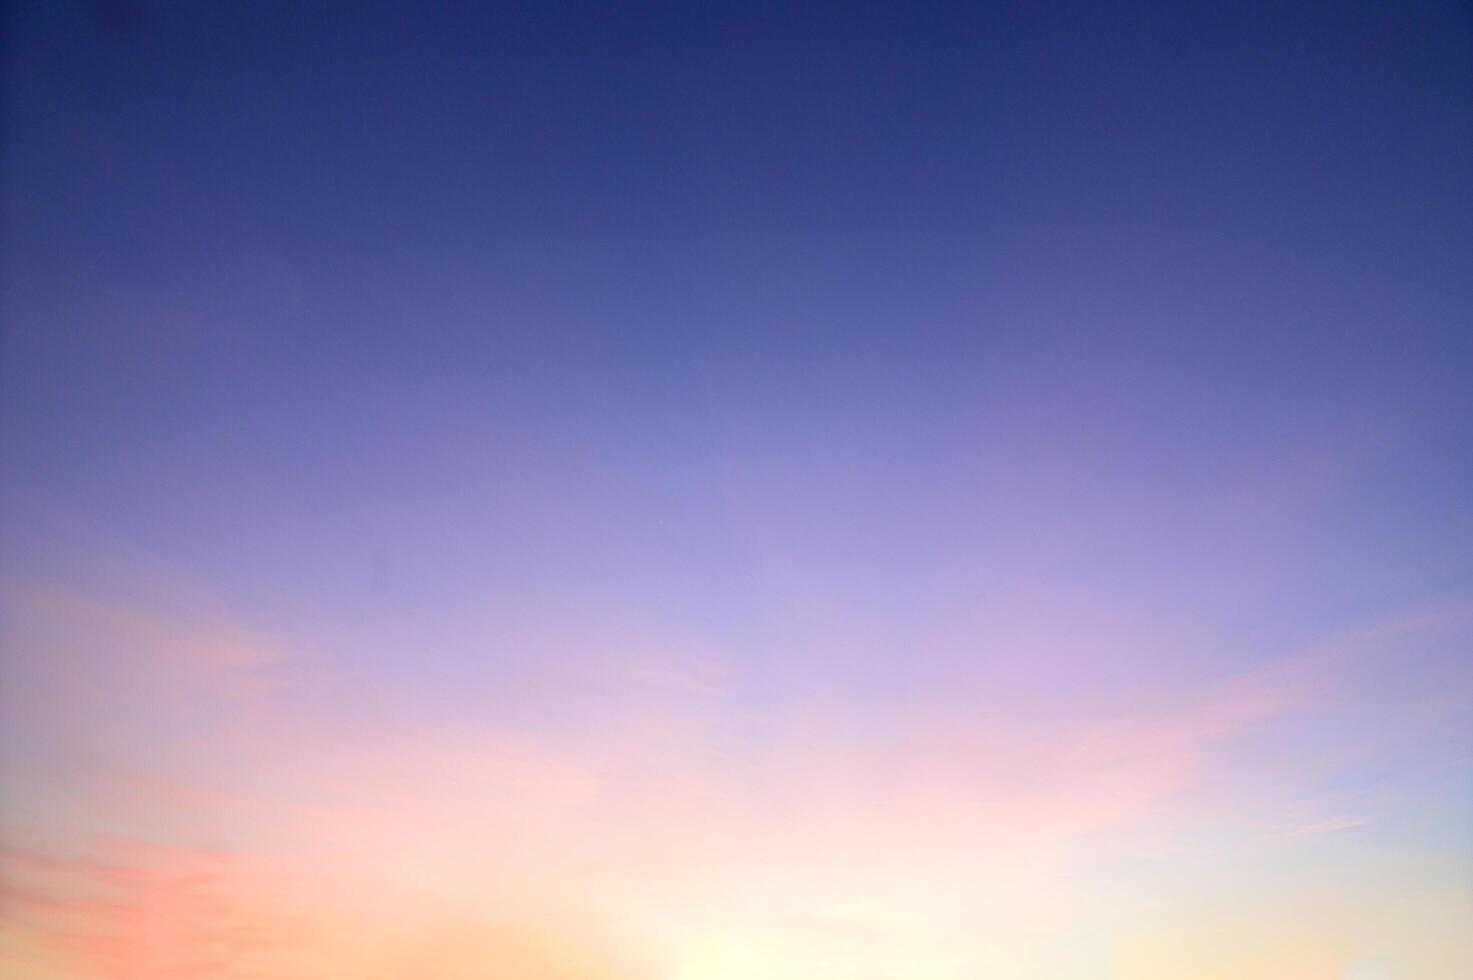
x,y
321,299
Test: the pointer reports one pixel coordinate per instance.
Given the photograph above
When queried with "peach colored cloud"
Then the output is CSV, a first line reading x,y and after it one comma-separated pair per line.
x,y
135,910
130,910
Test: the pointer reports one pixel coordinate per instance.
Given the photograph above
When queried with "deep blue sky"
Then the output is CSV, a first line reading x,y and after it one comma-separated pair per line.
x,y
295,272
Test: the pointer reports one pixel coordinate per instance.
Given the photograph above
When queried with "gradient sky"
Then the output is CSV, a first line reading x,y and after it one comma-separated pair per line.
x,y
699,492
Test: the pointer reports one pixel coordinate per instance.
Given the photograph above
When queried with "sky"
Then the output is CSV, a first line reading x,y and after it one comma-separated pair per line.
x,y
721,491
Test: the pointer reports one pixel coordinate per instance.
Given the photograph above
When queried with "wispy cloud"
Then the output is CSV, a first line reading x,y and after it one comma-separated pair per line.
x,y
1326,826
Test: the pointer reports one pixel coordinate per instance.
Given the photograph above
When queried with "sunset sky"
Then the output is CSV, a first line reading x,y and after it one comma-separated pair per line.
x,y
912,491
